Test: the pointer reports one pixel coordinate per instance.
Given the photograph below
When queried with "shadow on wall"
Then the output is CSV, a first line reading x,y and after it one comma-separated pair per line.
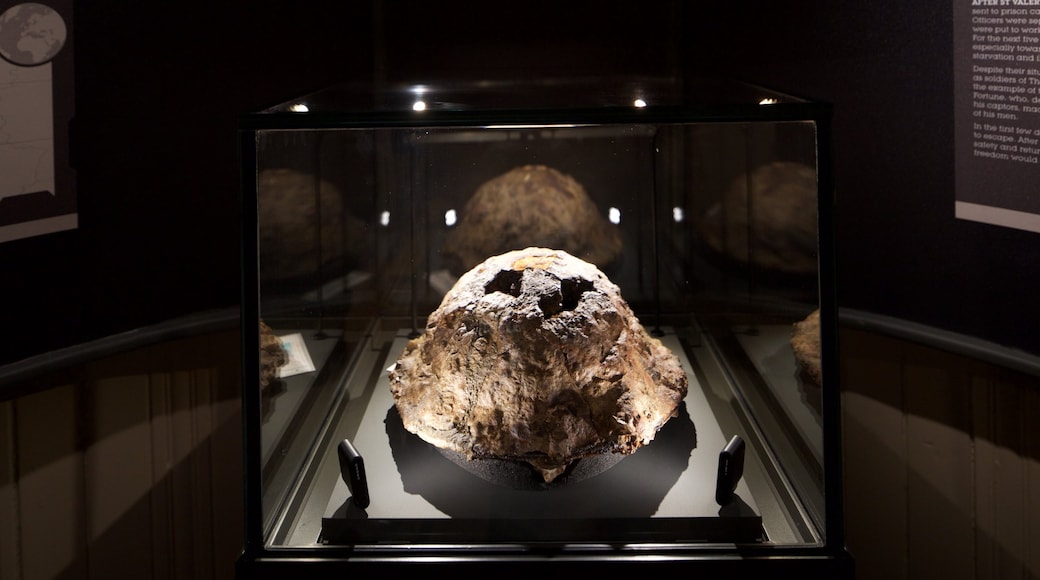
x,y
187,525
129,467
941,463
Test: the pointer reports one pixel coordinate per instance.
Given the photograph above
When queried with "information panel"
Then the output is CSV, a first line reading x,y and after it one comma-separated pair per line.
x,y
997,111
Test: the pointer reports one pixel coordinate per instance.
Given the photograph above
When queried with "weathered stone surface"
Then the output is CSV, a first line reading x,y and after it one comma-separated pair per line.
x,y
534,356
532,205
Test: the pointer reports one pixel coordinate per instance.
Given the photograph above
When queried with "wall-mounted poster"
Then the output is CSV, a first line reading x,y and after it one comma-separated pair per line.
x,y
37,188
997,111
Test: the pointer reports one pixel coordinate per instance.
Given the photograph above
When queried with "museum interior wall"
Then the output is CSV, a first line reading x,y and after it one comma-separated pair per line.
x,y
125,460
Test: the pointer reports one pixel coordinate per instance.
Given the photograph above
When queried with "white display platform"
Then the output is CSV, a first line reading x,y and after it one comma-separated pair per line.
x,y
665,489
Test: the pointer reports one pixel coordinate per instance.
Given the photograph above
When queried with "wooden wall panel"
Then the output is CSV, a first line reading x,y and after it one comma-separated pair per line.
x,y
1005,435
10,566
874,431
939,466
51,499
118,475
1031,451
132,471
986,550
969,502
192,507
163,460
202,472
1007,540
183,521
225,487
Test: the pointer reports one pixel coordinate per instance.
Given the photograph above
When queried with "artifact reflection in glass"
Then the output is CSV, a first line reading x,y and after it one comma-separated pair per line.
x,y
767,218
534,356
531,205
304,227
805,341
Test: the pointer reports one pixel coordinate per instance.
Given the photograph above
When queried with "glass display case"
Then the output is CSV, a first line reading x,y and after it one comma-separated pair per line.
x,y
703,208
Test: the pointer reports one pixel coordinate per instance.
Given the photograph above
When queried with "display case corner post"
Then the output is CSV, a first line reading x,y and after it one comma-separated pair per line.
x,y
829,329
250,342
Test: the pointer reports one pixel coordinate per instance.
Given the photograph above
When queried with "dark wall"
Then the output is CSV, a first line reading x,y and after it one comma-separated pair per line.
x,y
459,38
158,94
887,66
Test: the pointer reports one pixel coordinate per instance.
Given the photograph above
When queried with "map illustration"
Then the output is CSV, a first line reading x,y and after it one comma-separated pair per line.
x,y
31,34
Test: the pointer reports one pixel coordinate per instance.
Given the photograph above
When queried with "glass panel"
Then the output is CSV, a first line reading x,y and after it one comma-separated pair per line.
x,y
708,229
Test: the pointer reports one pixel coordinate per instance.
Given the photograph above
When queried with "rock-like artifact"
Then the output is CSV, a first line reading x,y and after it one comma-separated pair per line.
x,y
272,355
531,205
534,356
805,341
303,226
767,218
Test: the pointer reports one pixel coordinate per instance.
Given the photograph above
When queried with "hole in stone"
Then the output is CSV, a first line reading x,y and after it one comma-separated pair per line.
x,y
507,281
572,289
551,304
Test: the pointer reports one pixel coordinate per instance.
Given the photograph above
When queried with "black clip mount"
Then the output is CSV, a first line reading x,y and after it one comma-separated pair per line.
x,y
352,469
731,469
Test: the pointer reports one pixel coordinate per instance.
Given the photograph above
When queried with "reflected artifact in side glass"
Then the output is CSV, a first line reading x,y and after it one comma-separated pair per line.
x,y
805,341
305,227
774,226
534,357
532,205
272,355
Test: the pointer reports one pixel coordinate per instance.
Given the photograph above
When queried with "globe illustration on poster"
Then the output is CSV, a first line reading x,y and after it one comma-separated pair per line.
x,y
31,34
